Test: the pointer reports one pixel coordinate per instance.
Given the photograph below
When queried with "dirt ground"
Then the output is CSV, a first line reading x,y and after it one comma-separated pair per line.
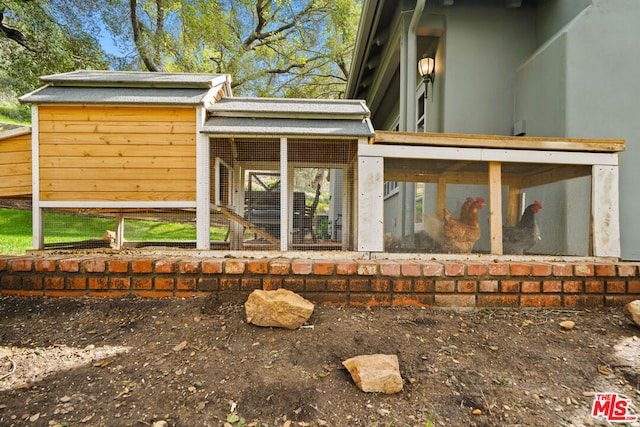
x,y
196,362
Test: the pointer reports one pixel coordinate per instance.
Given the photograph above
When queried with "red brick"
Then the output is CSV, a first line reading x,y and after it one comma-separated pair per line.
x,y
337,285
24,293
208,284
145,283
583,270
541,270
118,266
498,269
477,269
54,282
359,285
258,266
381,285
453,269
75,282
22,264
271,284
493,300
32,283
316,285
617,300
412,300
163,284
345,268
446,300
401,285
141,266
48,265
432,269
370,300
188,266
562,270
234,266
69,265
530,286
605,270
212,266
627,270
424,286
120,283
323,268
327,298
551,286
4,263
467,286
594,286
616,287
10,282
410,269
246,284
165,266
108,294
488,286
633,287
186,284
301,267
229,284
519,269
580,301
98,283
94,265
64,294
295,285
510,286
367,268
540,301
389,268
572,286
445,285
280,267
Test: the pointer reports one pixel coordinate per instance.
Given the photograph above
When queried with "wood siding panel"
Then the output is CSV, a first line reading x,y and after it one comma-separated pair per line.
x,y
15,166
114,153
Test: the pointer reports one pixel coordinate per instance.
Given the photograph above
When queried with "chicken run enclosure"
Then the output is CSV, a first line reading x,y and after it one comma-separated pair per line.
x,y
130,160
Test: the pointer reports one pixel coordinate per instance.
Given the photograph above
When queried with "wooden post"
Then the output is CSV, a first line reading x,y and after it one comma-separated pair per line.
x,y
370,204
495,207
604,209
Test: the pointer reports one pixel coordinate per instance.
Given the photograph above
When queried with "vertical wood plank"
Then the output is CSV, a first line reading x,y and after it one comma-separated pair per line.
x,y
284,195
495,207
514,208
37,228
370,204
203,188
441,196
605,211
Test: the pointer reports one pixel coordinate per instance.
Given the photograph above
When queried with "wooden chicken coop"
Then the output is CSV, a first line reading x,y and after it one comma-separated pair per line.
x,y
15,163
504,165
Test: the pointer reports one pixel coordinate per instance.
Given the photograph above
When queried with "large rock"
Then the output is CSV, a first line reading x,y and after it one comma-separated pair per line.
x,y
632,310
376,373
280,308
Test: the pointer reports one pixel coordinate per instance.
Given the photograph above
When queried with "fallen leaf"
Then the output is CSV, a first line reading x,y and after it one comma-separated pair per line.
x,y
102,363
180,346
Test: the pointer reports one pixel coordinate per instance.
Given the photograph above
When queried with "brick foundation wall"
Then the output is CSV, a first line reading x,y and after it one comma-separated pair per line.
x,y
330,281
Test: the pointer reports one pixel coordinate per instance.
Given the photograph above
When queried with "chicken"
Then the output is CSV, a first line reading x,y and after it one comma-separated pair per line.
x,y
456,235
525,235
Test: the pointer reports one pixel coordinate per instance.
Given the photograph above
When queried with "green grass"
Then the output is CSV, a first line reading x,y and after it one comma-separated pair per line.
x,y
15,230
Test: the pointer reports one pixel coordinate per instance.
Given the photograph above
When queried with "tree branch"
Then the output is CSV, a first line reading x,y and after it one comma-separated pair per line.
x,y
14,34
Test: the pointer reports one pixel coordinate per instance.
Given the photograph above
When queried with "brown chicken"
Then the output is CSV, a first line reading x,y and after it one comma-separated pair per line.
x,y
456,235
524,236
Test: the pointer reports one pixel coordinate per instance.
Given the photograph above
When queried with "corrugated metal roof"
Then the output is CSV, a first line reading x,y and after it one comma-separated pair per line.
x,y
103,95
289,108
282,126
134,79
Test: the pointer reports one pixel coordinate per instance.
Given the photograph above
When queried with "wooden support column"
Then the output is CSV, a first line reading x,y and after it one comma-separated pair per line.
x,y
605,212
203,190
284,195
441,196
495,207
370,204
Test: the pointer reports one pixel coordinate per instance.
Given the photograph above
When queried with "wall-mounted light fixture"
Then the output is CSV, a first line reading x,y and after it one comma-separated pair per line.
x,y
426,68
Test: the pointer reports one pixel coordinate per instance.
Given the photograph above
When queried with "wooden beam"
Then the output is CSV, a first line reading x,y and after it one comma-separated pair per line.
x,y
495,207
498,141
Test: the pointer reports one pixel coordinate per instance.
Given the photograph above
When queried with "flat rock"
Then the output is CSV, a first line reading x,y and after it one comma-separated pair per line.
x,y
375,373
281,308
632,310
